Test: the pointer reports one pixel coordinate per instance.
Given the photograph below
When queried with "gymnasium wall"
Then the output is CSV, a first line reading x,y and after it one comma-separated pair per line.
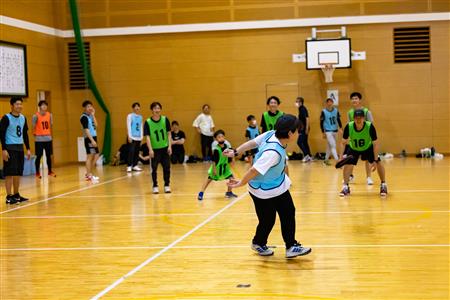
x,y
118,13
230,71
45,55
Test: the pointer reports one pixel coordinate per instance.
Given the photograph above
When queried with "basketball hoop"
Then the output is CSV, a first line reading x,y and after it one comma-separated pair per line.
x,y
328,70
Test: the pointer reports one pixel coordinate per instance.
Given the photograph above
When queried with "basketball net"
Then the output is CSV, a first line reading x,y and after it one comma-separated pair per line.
x,y
328,70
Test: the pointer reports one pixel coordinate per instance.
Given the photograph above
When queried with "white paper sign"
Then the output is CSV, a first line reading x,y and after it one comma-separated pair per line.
x,y
333,94
13,78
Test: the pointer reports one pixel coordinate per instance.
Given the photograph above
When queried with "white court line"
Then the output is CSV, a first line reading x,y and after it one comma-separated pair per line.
x,y
64,194
220,194
165,249
149,194
219,247
227,214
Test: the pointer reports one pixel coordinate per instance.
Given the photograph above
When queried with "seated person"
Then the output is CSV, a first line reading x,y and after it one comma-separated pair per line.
x,y
144,154
121,156
178,138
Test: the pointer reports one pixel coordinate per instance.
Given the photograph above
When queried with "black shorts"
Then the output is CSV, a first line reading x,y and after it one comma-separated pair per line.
x,y
14,165
365,155
88,145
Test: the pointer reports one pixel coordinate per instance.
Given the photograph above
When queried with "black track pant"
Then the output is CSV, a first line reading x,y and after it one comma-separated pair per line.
x,y
39,148
266,210
161,156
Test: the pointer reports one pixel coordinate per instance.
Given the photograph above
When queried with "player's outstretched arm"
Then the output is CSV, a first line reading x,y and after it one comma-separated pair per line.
x,y
251,173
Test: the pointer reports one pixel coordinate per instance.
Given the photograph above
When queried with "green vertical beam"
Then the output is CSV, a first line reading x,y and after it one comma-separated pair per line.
x,y
107,138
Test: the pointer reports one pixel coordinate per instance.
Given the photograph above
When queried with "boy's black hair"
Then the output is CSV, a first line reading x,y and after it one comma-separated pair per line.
x,y
301,99
285,124
250,117
205,105
329,99
356,94
42,102
135,104
86,103
220,131
273,98
154,104
175,123
14,99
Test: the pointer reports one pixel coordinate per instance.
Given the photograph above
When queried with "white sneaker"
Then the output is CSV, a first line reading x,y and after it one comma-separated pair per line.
x,y
297,250
369,181
262,250
167,189
155,190
129,169
137,169
307,158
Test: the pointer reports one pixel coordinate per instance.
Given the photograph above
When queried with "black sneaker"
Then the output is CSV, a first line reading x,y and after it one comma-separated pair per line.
x,y
10,199
20,198
345,161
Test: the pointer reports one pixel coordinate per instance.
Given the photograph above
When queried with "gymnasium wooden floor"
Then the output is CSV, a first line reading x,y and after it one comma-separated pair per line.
x,y
115,239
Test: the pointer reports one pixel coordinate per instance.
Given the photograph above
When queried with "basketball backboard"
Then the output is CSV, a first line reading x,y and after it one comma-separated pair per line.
x,y
335,52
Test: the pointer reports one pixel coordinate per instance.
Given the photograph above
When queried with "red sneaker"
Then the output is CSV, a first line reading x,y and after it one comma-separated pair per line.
x,y
52,174
38,175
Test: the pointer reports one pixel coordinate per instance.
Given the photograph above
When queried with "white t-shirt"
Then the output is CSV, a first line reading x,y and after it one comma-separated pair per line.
x,y
205,123
267,160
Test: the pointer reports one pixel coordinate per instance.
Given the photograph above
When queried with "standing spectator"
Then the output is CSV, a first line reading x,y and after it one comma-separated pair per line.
x,y
270,117
159,142
13,136
330,124
135,134
356,99
302,141
89,126
178,138
42,123
205,126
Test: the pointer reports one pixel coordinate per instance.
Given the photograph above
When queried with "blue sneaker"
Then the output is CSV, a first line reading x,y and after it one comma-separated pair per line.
x,y
230,195
262,250
200,196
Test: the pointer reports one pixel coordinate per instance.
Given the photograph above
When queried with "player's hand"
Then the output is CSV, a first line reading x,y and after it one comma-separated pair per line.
x,y
324,135
234,183
151,153
129,140
169,150
5,155
373,166
228,153
94,144
28,154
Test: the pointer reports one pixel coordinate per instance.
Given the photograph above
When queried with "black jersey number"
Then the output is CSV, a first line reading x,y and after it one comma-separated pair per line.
x,y
332,120
45,125
270,126
138,126
359,143
156,132
19,131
